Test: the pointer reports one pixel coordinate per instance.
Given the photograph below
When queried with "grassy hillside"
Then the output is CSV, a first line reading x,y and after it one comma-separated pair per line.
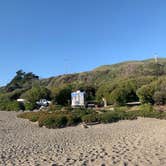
x,y
109,72
118,83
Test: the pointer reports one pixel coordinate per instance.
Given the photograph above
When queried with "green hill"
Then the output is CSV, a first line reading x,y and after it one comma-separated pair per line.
x,y
110,72
118,83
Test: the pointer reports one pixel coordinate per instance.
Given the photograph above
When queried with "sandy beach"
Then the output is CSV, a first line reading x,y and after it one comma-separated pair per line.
x,y
139,142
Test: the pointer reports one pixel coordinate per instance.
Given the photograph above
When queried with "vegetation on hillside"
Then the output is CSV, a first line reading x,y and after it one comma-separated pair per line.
x,y
119,84
22,80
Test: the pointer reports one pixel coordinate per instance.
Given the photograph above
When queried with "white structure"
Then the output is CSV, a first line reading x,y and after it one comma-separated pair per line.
x,y
78,99
21,100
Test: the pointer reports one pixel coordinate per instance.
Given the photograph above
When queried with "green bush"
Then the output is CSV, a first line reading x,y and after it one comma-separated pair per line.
x,y
67,108
56,119
73,120
90,118
145,94
13,106
30,106
53,107
160,97
146,108
52,121
32,116
115,116
60,119
63,96
104,91
110,117
10,106
131,115
81,112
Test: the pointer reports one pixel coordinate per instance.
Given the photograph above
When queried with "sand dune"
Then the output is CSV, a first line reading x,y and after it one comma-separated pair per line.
x,y
139,142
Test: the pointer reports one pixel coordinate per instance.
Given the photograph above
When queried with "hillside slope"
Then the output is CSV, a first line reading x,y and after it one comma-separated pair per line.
x,y
109,72
118,83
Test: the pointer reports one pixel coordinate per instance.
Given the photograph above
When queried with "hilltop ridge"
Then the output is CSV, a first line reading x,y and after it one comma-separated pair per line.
x,y
109,72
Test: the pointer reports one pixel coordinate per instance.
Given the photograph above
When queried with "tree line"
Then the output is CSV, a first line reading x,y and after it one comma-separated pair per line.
x,y
119,91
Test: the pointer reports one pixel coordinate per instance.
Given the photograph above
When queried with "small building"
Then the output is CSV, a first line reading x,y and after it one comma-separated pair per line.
x,y
78,99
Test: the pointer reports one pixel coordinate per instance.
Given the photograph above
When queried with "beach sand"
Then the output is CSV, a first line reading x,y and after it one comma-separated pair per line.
x,y
140,142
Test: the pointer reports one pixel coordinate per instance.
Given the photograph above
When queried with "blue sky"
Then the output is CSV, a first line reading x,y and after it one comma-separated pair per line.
x,y
52,37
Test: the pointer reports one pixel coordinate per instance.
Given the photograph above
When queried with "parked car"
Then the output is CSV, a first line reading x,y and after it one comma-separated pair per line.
x,y
43,102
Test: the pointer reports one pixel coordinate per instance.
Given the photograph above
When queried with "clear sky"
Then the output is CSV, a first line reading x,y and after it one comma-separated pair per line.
x,y
52,37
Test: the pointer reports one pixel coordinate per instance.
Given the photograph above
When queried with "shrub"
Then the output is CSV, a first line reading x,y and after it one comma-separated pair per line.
x,y
145,110
73,120
90,118
63,96
13,106
104,92
53,107
32,116
159,97
110,117
145,93
30,106
67,108
60,119
53,121
131,115
10,106
57,119
115,116
81,112
124,92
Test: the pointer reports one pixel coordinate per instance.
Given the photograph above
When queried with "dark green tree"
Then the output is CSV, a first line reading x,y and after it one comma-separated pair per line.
x,y
63,96
145,93
22,80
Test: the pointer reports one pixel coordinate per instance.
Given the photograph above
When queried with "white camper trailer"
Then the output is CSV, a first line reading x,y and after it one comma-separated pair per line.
x,y
78,99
